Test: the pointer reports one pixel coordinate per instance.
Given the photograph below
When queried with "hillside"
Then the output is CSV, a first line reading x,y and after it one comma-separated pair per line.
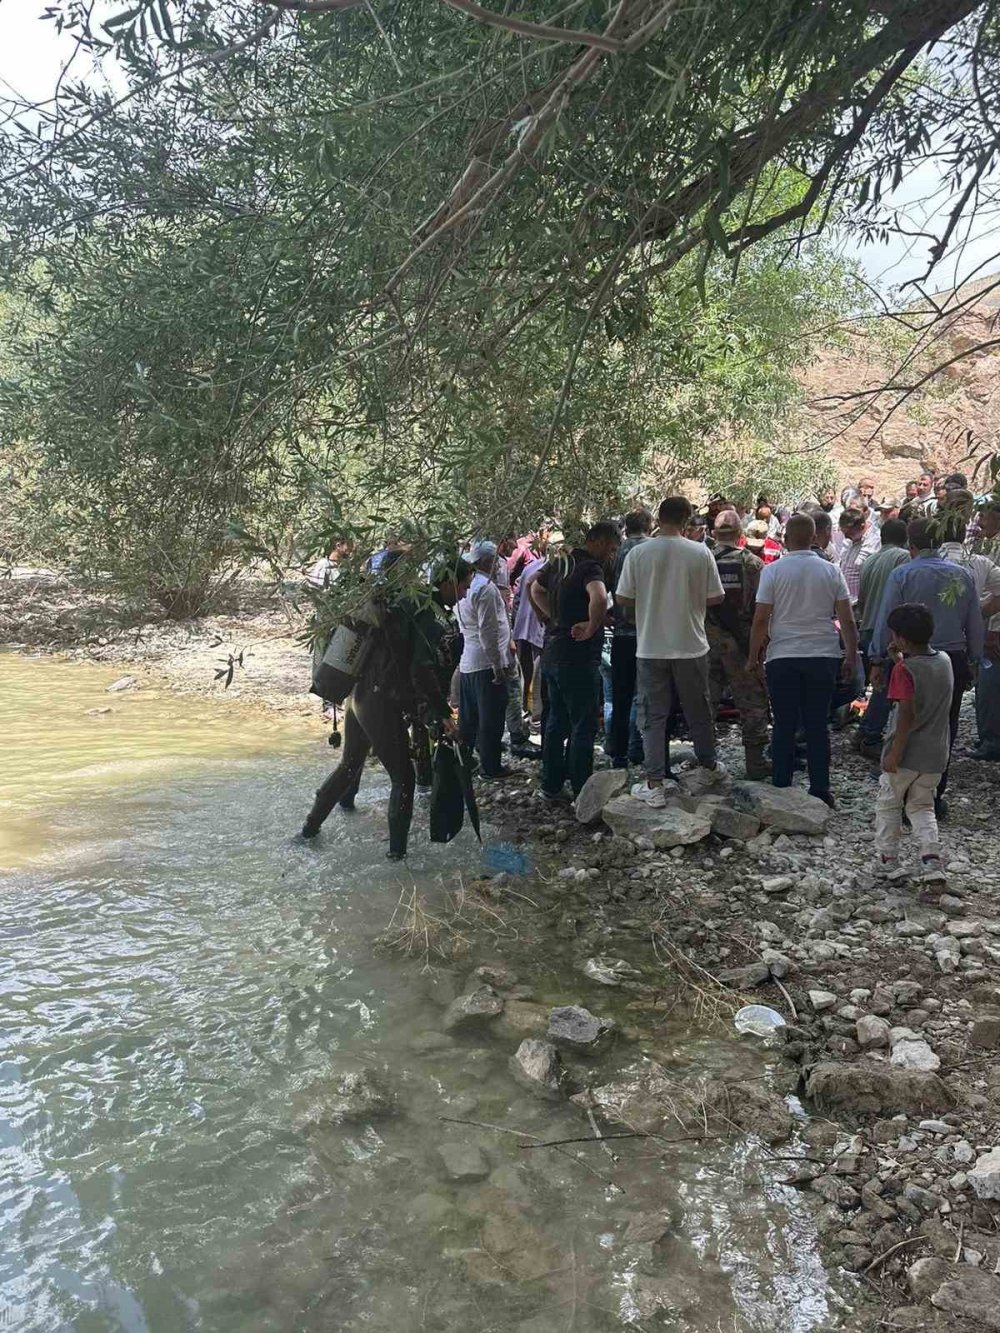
x,y
894,439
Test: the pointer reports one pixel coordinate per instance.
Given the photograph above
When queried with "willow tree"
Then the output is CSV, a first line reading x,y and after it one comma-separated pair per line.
x,y
489,257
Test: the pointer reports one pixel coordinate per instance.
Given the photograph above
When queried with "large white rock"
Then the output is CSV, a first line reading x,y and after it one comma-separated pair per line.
x,y
787,808
985,1175
912,1053
669,827
597,791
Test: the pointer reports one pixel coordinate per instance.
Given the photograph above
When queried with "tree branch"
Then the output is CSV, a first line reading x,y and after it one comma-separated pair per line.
x,y
540,31
316,6
912,29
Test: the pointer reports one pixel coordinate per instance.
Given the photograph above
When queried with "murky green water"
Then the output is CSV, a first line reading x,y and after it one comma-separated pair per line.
x,y
177,977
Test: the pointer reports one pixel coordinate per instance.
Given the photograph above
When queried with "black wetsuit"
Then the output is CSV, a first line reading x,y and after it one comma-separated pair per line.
x,y
405,683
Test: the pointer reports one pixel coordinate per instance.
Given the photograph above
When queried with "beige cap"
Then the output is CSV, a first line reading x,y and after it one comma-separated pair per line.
x,y
728,521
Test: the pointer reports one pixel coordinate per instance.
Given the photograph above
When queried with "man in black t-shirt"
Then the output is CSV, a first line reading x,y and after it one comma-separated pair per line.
x,y
571,597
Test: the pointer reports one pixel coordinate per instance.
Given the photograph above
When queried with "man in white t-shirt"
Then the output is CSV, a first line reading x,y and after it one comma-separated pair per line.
x,y
668,583
799,601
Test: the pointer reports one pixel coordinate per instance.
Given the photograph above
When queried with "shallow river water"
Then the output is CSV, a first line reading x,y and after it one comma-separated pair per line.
x,y
179,984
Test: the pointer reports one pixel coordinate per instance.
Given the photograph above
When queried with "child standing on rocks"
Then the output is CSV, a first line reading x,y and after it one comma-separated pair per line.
x,y
916,749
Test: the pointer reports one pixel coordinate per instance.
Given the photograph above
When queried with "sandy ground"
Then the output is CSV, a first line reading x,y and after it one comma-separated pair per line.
x,y
44,610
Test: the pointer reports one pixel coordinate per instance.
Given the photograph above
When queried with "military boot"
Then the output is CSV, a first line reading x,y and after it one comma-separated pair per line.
x,y
758,769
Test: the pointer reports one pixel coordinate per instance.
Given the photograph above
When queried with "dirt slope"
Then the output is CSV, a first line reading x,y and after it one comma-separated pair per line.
x,y
894,438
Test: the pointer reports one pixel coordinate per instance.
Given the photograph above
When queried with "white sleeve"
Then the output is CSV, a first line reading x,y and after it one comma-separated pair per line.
x,y
493,632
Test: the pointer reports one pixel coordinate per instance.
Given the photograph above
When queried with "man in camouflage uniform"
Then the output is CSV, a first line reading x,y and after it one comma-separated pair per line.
x,y
728,628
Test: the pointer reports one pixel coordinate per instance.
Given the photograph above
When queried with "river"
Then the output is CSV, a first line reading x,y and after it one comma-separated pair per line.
x,y
181,982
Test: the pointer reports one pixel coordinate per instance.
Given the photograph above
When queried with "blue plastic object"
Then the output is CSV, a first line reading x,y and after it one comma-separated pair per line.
x,y
501,857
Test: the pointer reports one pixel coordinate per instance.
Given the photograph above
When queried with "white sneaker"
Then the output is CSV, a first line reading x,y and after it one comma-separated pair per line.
x,y
655,797
707,777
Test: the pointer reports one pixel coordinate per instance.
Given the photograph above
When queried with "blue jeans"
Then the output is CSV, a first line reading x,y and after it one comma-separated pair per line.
x,y
482,708
571,712
801,689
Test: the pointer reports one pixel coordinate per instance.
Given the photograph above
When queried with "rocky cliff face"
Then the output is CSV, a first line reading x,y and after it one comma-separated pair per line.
x,y
893,437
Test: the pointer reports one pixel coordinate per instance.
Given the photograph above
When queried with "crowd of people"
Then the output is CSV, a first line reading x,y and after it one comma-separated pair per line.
x,y
792,622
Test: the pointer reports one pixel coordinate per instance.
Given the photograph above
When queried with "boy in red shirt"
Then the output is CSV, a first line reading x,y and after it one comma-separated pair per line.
x,y
916,749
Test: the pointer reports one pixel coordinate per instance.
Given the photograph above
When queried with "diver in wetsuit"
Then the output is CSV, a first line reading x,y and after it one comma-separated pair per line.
x,y
405,681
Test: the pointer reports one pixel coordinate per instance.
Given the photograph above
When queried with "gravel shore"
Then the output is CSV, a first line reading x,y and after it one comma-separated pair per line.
x,y
891,1000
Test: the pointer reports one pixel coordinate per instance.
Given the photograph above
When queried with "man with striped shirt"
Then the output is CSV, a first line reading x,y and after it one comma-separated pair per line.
x,y
860,540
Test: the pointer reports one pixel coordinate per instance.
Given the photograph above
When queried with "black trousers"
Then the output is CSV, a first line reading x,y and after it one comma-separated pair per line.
x,y
482,710
372,723
963,679
623,676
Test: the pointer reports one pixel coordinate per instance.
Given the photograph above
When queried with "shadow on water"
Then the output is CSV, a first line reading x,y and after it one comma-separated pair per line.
x,y
180,983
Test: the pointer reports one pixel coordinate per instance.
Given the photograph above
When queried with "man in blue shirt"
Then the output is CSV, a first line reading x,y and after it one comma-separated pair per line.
x,y
949,593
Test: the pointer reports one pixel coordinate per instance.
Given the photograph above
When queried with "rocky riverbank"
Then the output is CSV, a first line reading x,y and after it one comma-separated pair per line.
x,y
891,1000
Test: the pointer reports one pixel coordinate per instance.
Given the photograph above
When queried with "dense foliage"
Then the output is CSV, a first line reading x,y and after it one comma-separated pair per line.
x,y
322,265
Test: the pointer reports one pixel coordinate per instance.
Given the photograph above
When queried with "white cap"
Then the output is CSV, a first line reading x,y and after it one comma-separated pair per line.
x,y
483,550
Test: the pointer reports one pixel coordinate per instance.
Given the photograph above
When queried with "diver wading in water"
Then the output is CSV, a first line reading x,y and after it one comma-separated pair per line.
x,y
404,682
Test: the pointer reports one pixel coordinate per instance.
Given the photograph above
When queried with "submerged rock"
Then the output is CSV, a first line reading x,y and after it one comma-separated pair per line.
x,y
609,971
649,1228
125,683
522,1018
537,1067
520,1250
472,1011
751,1108
355,1097
463,1162
429,1210
577,1028
647,1100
